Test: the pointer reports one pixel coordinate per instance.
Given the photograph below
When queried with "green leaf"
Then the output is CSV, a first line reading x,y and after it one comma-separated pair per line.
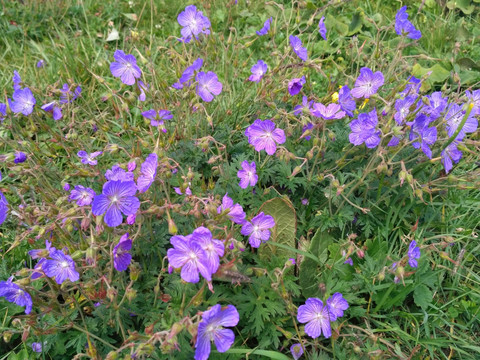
x,y
356,24
285,228
269,354
438,72
422,296
468,64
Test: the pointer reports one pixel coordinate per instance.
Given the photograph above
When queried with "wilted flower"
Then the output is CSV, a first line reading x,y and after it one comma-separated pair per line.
x,y
413,254
266,27
117,197
37,347
258,230
67,96
367,83
295,85
194,23
297,48
15,294
305,108
258,70
83,195
208,85
364,130
248,174
296,350
40,63
60,267
89,158
142,87
118,174
148,173
336,304
187,75
235,211
179,191
349,261
20,157
404,27
23,101
211,329
16,79
121,254
317,317
53,108
322,29
125,67
264,136
451,155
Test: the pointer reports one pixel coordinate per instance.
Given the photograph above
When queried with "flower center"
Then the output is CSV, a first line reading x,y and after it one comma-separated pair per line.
x,y
64,264
255,228
192,256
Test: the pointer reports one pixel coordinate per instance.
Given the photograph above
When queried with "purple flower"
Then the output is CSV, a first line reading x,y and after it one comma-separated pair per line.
x,y
474,98
263,135
66,187
142,87
117,197
23,101
346,101
179,191
38,253
118,174
211,328
403,108
295,85
16,79
187,75
305,108
60,267
436,105
349,261
455,116
412,88
40,63
3,208
297,48
83,195
257,230
131,219
451,155
305,202
248,175
89,158
424,135
363,130
148,173
125,67
404,27
233,211
194,23
132,165
367,83
15,294
36,346
214,249
20,157
413,254
208,85
53,108
3,111
296,350
121,254
156,118
306,128
66,96
190,257
266,27
258,70
317,318
322,29
336,304
332,111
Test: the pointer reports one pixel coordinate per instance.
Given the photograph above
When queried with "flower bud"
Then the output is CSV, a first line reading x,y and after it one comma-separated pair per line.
x,y
130,294
134,272
7,336
172,228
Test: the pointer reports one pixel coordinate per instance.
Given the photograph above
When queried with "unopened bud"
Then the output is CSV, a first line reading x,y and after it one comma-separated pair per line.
x,y
131,294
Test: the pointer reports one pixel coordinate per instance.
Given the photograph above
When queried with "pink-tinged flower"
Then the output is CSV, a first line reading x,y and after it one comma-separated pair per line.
x,y
148,173
367,83
248,175
208,85
190,257
258,230
264,136
23,101
131,219
188,192
317,318
322,29
297,48
194,23
258,70
332,111
82,195
89,158
60,267
121,253
295,85
211,328
266,27
125,67
296,350
336,305
234,211
214,249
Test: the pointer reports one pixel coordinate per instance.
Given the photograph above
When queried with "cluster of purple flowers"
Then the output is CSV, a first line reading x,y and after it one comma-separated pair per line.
x,y
318,316
66,97
404,27
194,23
